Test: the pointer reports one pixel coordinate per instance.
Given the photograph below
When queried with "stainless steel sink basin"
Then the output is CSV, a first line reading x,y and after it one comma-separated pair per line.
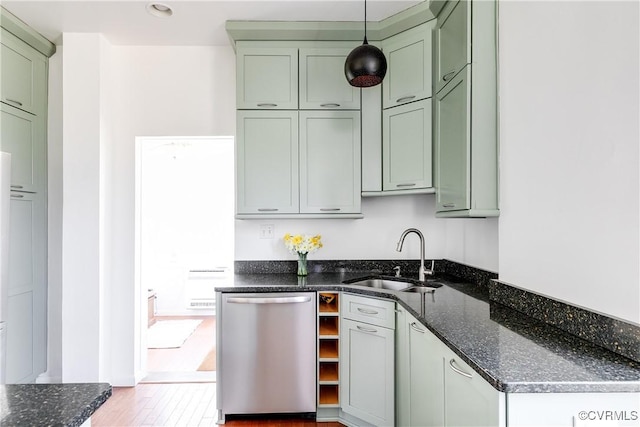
x,y
383,284
395,285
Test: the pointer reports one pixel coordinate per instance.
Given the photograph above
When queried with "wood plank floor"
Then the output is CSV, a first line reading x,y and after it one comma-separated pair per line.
x,y
189,404
188,357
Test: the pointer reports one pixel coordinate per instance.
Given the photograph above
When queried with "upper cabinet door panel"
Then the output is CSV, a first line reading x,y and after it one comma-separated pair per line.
x,y
20,134
453,138
267,162
407,147
267,78
330,162
408,66
23,73
452,42
323,85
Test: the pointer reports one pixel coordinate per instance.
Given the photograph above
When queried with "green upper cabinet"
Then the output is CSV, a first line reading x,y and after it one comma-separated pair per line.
x,y
323,85
23,75
453,145
330,162
409,66
406,147
23,135
452,42
267,162
267,78
465,114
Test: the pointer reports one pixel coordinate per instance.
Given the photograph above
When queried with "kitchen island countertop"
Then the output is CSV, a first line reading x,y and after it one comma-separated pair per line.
x,y
68,405
513,352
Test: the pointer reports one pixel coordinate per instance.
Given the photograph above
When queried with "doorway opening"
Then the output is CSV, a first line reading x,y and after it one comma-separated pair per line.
x,y
184,248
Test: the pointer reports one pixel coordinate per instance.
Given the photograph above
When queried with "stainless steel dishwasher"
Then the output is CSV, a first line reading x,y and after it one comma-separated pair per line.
x,y
266,353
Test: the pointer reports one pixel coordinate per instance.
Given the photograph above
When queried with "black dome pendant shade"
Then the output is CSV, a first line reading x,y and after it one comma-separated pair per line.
x,y
366,65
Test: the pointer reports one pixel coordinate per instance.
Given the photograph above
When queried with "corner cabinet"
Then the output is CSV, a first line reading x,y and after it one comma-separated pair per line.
x,y
406,147
367,360
409,67
465,110
400,162
439,389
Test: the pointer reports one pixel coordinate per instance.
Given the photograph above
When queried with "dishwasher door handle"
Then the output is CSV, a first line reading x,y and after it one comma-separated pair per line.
x,y
268,300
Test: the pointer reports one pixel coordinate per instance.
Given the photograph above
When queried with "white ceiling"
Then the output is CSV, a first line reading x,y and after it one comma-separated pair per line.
x,y
193,23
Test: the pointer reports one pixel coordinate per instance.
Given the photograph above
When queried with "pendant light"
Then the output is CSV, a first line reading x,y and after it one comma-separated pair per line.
x,y
366,65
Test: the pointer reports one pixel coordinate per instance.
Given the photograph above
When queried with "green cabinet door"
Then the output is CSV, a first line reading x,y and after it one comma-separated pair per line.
x,y
426,401
367,372
266,78
323,85
22,135
452,141
267,162
23,75
27,290
452,41
409,67
469,400
330,162
407,147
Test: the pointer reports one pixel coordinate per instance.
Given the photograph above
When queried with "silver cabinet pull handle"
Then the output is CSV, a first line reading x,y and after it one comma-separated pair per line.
x,y
405,98
330,105
263,300
329,209
452,365
267,209
17,196
448,205
365,311
408,184
448,75
415,327
13,101
362,328
17,187
267,105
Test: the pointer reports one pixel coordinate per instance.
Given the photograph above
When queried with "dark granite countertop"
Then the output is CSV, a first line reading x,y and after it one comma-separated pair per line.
x,y
513,352
50,404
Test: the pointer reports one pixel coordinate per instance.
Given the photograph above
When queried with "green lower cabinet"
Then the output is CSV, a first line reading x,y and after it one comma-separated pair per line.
x,y
367,372
468,399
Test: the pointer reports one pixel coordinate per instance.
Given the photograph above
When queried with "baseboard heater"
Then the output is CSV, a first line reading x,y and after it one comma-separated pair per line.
x,y
202,303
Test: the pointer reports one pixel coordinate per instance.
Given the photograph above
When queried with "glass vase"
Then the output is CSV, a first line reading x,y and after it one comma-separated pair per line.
x,y
302,264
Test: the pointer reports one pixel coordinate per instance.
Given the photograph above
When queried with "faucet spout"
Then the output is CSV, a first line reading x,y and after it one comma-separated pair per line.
x,y
422,271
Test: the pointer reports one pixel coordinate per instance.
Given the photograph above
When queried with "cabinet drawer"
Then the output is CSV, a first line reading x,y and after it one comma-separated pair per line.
x,y
369,310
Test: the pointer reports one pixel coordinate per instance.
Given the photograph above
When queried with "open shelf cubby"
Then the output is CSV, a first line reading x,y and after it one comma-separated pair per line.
x,y
328,326
328,394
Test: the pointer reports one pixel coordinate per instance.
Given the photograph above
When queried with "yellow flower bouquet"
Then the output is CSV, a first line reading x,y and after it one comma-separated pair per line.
x,y
302,245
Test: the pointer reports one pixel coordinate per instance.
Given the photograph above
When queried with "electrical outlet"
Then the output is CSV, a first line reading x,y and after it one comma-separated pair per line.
x,y
267,231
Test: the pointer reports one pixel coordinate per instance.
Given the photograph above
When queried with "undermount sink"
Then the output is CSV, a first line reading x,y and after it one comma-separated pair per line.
x,y
395,285
383,284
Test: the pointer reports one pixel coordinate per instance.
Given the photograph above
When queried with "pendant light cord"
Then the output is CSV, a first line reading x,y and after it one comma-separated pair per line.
x,y
365,22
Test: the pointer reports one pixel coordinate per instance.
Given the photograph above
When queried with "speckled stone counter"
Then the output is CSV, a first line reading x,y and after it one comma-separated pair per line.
x,y
50,404
515,353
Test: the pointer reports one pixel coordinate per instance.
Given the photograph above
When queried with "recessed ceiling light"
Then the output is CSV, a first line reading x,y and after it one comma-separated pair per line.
x,y
160,10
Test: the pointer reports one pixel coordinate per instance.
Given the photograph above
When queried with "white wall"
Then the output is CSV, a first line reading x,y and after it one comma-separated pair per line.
x,y
569,224
373,237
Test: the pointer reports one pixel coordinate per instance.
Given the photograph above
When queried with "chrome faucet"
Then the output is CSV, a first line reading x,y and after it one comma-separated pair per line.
x,y
422,272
